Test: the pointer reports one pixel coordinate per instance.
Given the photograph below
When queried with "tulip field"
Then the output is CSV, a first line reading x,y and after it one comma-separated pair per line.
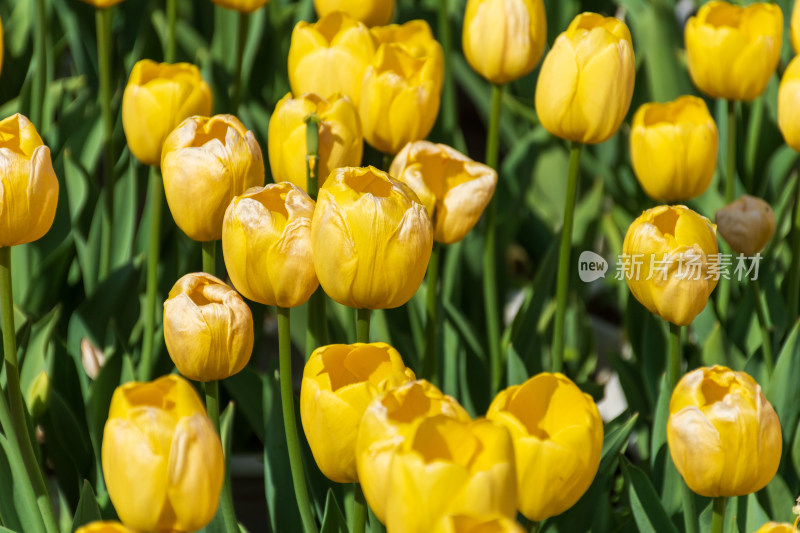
x,y
404,266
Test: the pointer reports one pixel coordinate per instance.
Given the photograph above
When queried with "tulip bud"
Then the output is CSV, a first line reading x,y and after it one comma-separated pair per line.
x,y
371,237
92,358
447,467
558,440
718,417
242,6
775,527
504,39
28,183
747,224
341,143
400,97
674,148
208,328
585,84
416,37
339,381
471,523
330,56
104,527
389,419
102,4
672,256
266,240
732,50
162,459
453,188
205,163
38,397
158,97
789,105
370,12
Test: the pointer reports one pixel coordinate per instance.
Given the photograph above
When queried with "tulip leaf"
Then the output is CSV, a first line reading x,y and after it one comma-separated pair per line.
x,y
756,516
88,510
782,391
246,389
38,351
333,521
9,505
648,512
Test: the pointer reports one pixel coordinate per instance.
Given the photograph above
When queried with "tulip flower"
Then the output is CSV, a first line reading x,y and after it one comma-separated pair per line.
x,y
416,38
28,183
242,6
208,328
400,97
503,40
789,105
732,50
330,56
339,381
370,12
341,143
266,240
158,97
471,523
162,459
672,256
206,162
558,439
585,84
447,467
388,420
717,417
453,188
775,527
102,4
747,224
674,148
104,527
371,237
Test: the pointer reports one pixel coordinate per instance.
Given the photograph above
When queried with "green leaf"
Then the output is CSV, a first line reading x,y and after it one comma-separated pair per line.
x,y
783,392
648,513
38,350
246,388
88,510
333,521
8,512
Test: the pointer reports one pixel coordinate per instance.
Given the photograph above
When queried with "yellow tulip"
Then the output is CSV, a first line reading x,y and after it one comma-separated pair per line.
x,y
330,56
205,163
242,6
674,148
104,527
341,143
453,188
370,12
102,4
208,328
747,224
775,527
717,418
388,420
416,37
503,40
28,183
672,262
371,237
446,467
558,439
266,240
733,50
400,97
789,105
339,381
585,84
162,459
158,97
471,523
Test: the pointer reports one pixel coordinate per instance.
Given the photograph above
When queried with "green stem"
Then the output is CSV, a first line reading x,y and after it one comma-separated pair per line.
x,y
241,40
730,167
490,299
359,509
156,207
430,368
794,268
387,162
753,138
172,17
18,416
210,257
718,516
534,528
763,322
226,498
103,24
40,74
362,325
562,283
674,362
290,423
312,155
449,92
